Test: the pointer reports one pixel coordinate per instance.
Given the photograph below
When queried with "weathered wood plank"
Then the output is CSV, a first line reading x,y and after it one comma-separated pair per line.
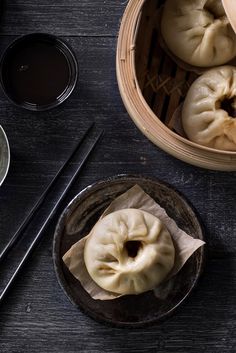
x,y
36,315
75,18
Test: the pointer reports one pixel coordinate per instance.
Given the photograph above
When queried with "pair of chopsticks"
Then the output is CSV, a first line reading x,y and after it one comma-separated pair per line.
x,y
16,237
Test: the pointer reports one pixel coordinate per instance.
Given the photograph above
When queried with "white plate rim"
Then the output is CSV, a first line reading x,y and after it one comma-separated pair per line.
x,y
7,162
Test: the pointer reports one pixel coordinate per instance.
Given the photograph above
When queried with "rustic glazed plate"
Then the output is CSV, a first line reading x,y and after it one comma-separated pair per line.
x,y
4,155
80,216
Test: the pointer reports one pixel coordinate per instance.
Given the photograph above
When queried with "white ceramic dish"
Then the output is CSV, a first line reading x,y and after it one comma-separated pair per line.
x,y
4,155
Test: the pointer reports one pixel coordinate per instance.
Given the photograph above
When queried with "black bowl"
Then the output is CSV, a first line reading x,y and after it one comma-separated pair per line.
x,y
21,45
84,211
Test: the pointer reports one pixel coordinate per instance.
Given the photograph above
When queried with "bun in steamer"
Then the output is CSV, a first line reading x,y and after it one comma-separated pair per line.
x,y
198,32
209,110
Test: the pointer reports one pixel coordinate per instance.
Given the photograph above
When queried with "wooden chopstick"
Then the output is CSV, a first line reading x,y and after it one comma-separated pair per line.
x,y
46,222
26,221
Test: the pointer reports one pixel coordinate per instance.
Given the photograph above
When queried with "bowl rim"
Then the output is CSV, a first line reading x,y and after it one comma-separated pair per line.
x,y
57,239
72,61
7,166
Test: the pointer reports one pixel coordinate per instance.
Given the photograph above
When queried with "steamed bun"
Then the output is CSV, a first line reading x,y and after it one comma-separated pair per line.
x,y
129,252
198,32
209,110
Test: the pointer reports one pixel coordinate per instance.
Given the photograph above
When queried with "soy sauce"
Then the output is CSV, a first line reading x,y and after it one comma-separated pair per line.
x,y
36,71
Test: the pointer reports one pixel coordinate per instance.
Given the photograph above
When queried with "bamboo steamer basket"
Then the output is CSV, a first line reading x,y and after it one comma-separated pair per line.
x,y
153,86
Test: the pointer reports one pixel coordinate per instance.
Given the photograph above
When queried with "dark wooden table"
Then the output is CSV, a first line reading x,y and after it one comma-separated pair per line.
x,y
36,316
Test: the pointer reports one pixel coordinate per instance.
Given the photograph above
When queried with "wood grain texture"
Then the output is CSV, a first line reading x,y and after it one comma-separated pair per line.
x,y
63,17
36,316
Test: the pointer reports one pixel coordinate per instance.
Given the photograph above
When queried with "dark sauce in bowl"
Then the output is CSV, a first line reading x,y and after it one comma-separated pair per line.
x,y
38,71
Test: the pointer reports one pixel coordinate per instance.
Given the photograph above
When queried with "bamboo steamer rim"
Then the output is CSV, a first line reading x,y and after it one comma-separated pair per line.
x,y
142,114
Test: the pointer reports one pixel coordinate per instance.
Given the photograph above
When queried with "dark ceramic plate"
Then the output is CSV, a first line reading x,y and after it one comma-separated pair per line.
x,y
80,216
